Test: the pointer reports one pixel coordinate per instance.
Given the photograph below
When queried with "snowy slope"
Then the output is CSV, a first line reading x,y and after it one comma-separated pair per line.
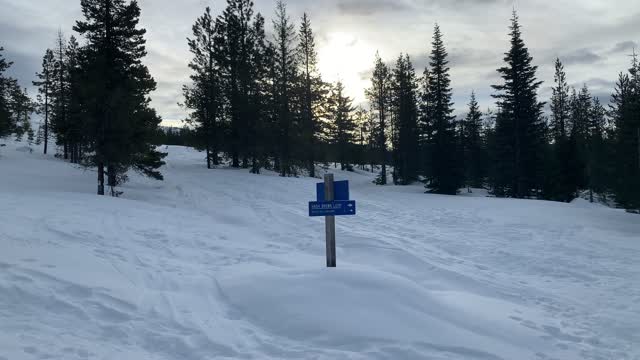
x,y
222,264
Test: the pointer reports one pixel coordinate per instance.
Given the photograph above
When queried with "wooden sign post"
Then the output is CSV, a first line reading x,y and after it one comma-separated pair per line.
x,y
330,222
332,200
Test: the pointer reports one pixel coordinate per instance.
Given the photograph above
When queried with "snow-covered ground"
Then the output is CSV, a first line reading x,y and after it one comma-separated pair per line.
x,y
222,264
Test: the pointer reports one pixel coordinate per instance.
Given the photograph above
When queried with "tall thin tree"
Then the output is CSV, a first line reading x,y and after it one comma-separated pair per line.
x,y
379,98
445,175
45,89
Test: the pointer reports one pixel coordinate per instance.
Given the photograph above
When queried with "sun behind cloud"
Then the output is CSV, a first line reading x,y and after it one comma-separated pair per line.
x,y
343,56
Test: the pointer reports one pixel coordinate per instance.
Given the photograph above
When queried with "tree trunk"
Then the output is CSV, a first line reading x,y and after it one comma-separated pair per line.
x,y
46,124
208,156
111,178
100,178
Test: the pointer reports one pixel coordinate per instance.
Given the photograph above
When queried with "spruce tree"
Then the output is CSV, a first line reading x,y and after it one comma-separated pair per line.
x,y
379,98
235,43
312,91
286,76
473,148
560,105
445,175
520,132
343,126
361,117
259,97
625,112
75,136
581,111
405,142
204,95
116,86
45,89
598,154
6,121
20,109
60,95
560,185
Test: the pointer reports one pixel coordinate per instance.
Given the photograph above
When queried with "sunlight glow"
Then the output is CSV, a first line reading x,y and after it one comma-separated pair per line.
x,y
345,57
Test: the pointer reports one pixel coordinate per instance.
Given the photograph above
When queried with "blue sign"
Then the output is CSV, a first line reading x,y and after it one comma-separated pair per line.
x,y
340,190
332,208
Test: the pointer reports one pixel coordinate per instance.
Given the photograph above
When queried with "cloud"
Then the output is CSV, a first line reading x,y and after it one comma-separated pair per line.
x,y
600,83
580,56
371,7
625,46
24,68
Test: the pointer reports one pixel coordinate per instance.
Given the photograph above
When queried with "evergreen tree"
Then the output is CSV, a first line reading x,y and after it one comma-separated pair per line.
x,y
235,43
379,98
6,121
75,113
203,97
581,112
424,126
560,184
259,97
625,112
20,108
473,147
116,87
343,127
405,142
60,95
45,89
445,176
361,118
520,132
286,77
598,158
312,91
560,104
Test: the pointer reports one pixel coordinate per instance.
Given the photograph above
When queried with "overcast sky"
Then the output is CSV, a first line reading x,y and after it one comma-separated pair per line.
x,y
594,38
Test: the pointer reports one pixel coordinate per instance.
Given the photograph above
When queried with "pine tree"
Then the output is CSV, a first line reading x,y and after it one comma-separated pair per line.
x,y
560,105
581,111
60,95
598,158
379,98
20,108
361,118
259,96
560,184
424,127
74,106
45,88
473,147
6,121
625,111
520,133
405,119
116,87
312,91
286,78
445,176
235,47
343,126
204,96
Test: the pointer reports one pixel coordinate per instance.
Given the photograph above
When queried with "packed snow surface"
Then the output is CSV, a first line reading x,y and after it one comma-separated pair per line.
x,y
223,264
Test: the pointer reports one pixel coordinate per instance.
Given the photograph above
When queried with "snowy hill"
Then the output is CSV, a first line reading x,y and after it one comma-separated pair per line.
x,y
222,264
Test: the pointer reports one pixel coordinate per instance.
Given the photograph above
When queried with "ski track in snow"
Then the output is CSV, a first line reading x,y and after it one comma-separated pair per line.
x,y
227,265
